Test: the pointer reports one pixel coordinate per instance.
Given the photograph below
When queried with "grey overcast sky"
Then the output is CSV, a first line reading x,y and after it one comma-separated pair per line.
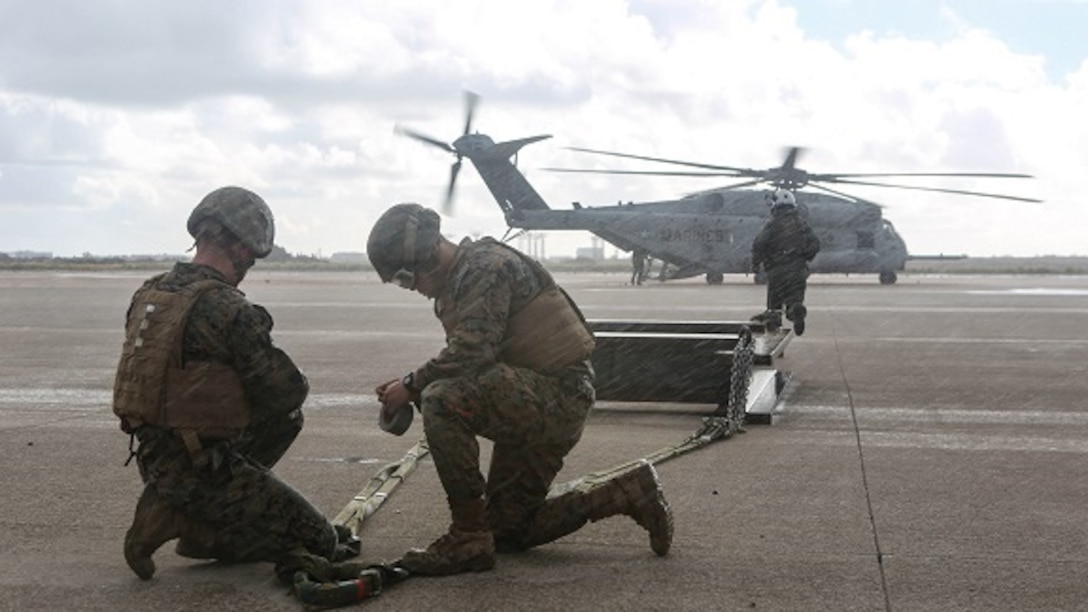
x,y
117,117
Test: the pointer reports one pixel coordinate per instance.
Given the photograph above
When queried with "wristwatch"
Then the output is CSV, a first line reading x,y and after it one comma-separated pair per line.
x,y
409,381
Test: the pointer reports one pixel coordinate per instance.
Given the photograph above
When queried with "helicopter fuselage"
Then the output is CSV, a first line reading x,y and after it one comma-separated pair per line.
x,y
712,233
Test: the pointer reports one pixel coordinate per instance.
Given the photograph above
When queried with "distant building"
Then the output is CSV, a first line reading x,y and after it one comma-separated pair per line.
x,y
31,255
349,257
595,253
154,257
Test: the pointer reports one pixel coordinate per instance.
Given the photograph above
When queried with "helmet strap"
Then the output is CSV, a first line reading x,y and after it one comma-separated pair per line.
x,y
241,263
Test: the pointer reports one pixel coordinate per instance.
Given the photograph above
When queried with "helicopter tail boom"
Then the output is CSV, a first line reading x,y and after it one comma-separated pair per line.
x,y
510,148
506,183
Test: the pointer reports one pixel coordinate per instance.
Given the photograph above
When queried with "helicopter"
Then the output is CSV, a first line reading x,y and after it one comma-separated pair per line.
x,y
709,232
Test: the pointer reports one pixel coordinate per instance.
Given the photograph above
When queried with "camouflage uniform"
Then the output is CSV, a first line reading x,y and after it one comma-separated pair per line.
x,y
784,247
533,417
228,486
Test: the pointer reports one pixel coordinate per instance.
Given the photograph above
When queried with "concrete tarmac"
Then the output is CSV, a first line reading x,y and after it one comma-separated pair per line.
x,y
931,455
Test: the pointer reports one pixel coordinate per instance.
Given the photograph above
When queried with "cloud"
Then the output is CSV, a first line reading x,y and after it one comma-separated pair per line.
x,y
123,114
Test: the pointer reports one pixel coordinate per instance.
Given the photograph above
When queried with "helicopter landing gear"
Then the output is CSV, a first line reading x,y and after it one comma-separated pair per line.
x,y
888,278
714,278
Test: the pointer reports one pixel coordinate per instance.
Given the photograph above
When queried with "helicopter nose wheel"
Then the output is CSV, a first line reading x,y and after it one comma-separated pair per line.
x,y
714,278
888,278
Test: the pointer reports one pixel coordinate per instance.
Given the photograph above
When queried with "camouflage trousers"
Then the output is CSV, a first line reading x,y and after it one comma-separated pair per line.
x,y
533,420
786,284
231,490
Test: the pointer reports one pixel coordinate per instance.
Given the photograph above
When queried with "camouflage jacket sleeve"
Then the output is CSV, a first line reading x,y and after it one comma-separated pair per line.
x,y
274,386
482,286
810,242
760,246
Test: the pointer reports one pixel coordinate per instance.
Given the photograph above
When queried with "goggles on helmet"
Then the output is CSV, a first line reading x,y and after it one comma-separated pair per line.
x,y
405,278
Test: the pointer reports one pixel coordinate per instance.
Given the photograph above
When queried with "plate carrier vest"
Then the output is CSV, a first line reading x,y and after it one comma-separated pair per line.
x,y
545,333
154,387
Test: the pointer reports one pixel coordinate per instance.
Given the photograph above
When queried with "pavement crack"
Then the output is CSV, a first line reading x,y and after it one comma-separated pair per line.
x,y
861,466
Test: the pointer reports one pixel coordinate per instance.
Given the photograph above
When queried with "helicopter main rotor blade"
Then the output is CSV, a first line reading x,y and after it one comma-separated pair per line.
x,y
941,190
738,185
852,198
740,171
648,172
403,131
790,162
834,177
723,188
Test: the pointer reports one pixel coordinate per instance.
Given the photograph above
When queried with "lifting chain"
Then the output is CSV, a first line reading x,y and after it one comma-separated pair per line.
x,y
729,418
740,378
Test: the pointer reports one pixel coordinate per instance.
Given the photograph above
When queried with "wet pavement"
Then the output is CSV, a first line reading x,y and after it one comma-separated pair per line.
x,y
931,456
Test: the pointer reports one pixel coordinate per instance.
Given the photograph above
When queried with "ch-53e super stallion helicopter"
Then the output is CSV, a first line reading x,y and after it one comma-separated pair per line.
x,y
709,232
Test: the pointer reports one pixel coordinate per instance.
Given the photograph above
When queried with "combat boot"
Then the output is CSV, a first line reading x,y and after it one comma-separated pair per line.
x,y
153,525
468,546
638,495
773,322
796,313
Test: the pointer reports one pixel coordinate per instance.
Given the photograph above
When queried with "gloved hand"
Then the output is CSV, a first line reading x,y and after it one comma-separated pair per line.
x,y
396,411
395,419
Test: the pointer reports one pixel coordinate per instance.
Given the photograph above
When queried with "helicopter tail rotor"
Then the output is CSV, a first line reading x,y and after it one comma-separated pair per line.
x,y
471,101
425,139
447,203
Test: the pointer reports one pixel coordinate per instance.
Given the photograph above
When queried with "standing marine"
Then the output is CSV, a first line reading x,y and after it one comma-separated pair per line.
x,y
515,370
783,248
639,259
212,404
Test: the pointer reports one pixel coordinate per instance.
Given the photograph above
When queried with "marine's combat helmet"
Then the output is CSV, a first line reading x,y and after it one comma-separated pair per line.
x,y
242,212
782,199
403,241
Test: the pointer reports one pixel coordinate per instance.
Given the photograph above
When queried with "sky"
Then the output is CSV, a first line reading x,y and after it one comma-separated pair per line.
x,y
118,116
